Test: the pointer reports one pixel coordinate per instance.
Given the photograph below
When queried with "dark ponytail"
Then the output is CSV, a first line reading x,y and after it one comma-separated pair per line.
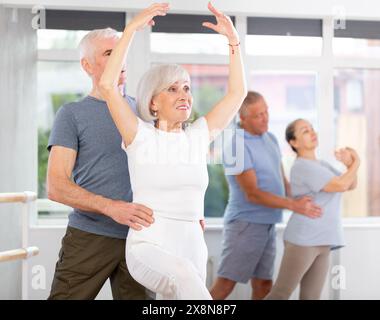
x,y
289,133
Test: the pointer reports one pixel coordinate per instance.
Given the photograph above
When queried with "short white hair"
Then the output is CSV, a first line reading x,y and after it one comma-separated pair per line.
x,y
155,80
87,46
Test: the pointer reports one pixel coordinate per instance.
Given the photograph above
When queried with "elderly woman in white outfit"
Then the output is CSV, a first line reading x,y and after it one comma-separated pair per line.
x,y
167,161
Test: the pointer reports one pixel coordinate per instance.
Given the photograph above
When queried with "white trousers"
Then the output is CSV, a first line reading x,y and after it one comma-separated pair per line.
x,y
170,259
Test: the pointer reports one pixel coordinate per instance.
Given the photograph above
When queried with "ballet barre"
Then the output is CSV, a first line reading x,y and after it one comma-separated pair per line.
x,y
18,254
26,199
22,197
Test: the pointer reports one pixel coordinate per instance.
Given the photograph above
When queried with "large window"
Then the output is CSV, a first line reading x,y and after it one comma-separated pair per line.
x,y
283,37
262,45
209,84
357,123
350,47
284,61
289,95
58,39
357,39
184,34
58,83
356,110
188,43
290,89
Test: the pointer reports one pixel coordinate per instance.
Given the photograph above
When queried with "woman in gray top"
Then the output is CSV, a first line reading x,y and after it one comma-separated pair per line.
x,y
308,241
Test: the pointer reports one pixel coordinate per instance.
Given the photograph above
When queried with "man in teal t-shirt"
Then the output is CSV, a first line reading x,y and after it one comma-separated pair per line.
x,y
258,191
88,171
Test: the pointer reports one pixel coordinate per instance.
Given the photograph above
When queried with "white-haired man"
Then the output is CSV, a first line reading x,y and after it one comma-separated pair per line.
x,y
86,145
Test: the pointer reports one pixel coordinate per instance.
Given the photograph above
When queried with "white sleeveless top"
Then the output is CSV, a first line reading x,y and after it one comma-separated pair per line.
x,y
168,170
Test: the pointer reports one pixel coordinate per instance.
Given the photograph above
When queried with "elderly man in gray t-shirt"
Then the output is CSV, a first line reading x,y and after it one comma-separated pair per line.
x,y
86,146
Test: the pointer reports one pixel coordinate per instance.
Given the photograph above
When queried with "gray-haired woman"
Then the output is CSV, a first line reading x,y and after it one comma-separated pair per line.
x,y
167,162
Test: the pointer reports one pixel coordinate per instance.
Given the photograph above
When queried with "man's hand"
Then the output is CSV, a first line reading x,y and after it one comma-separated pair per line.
x,y
133,215
307,207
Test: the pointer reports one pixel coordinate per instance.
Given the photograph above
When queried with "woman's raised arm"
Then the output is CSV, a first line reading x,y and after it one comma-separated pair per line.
x,y
348,180
224,111
121,112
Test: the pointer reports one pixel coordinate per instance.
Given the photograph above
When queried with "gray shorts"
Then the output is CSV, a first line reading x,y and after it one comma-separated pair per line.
x,y
248,251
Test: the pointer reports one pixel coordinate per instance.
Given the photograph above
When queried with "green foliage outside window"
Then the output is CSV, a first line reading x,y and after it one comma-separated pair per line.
x,y
57,100
205,97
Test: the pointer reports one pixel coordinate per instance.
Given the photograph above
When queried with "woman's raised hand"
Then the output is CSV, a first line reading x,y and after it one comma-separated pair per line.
x,y
347,156
223,25
354,154
344,155
145,17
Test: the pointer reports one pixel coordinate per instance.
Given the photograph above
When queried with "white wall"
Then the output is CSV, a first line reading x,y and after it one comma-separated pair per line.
x,y
18,54
360,259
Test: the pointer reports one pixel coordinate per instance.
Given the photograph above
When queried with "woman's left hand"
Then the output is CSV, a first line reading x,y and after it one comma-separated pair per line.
x,y
223,25
354,155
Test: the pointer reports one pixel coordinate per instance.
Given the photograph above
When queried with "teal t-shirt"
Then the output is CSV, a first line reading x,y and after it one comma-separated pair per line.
x,y
261,153
101,166
308,178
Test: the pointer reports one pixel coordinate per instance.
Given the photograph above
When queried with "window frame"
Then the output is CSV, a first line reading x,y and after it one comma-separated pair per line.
x,y
324,67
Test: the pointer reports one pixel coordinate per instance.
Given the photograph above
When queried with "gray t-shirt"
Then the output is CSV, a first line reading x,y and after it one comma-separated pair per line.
x,y
101,166
308,178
